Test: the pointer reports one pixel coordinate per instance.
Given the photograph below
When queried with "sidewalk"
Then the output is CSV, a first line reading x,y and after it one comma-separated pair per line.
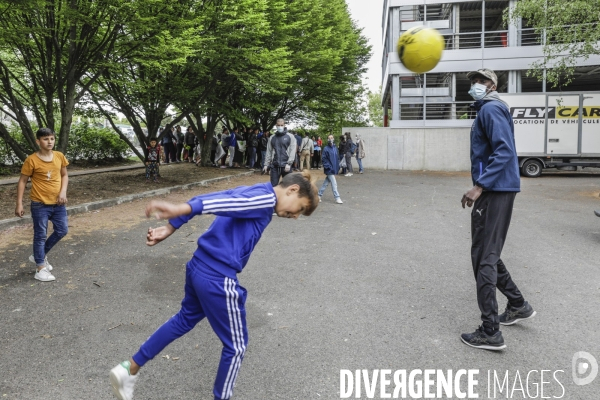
x,y
13,181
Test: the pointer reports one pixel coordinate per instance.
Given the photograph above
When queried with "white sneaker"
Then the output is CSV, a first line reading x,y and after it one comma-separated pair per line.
x,y
48,266
350,174
360,172
44,275
319,199
347,175
339,201
122,381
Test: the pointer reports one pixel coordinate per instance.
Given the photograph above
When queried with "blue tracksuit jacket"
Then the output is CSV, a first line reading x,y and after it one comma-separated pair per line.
x,y
243,214
494,162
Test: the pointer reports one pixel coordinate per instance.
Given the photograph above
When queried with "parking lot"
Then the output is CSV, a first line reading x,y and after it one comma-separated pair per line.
x,y
382,282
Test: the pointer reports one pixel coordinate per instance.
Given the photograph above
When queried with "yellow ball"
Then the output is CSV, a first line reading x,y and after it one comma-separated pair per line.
x,y
420,49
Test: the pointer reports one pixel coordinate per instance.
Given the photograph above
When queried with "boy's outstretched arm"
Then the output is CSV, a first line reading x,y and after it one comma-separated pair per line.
x,y
166,210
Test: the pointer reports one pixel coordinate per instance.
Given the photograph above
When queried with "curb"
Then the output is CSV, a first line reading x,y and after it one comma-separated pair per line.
x,y
96,205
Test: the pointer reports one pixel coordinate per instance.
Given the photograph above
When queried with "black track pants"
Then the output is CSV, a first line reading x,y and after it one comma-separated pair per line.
x,y
490,220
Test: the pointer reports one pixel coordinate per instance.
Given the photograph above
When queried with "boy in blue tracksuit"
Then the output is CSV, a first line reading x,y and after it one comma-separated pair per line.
x,y
211,288
331,166
496,182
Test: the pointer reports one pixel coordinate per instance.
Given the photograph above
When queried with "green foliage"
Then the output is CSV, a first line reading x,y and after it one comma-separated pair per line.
x,y
7,155
92,143
375,108
569,31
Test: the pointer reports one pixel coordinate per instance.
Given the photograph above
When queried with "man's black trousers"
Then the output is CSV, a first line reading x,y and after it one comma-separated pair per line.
x,y
276,173
490,220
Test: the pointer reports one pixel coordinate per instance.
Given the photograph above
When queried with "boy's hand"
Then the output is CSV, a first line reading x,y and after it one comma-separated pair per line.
x,y
61,200
157,235
166,210
19,212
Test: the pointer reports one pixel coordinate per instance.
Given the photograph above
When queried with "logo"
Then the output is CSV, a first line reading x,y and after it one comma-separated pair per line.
x,y
479,211
585,368
49,175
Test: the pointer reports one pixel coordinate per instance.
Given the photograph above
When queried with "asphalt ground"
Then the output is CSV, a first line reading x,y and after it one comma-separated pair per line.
x,y
383,281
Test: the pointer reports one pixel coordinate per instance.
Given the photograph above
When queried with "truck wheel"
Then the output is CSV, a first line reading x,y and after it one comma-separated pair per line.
x,y
531,168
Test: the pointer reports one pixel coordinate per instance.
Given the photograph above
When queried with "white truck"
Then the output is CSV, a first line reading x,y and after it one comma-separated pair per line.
x,y
556,130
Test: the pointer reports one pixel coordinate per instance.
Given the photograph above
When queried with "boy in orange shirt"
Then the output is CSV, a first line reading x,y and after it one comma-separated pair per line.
x,y
48,172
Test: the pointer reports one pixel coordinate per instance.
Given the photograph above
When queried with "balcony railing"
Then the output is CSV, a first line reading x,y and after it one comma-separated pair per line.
x,y
438,111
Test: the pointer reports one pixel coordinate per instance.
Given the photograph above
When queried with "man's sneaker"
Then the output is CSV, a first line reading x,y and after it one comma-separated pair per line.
x,y
48,266
513,315
122,381
320,199
44,275
482,340
339,201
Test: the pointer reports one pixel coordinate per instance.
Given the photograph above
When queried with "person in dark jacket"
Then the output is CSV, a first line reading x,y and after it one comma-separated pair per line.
x,y
331,166
189,142
251,145
496,182
169,144
281,151
262,147
348,153
179,136
342,151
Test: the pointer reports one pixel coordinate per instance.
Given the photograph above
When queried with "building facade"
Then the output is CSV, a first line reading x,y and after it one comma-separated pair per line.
x,y
476,37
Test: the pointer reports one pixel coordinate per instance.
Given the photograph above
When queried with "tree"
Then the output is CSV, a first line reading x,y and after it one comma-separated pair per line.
x,y
568,30
375,108
46,48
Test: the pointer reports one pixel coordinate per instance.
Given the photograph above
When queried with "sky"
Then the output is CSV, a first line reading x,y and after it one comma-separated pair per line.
x,y
368,14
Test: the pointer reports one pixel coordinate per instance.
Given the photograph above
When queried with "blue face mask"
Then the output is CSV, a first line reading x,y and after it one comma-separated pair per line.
x,y
478,91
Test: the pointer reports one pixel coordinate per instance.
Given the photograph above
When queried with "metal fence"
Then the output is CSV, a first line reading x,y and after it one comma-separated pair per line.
x,y
437,111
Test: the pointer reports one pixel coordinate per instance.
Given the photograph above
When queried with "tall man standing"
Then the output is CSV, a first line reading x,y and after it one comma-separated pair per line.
x,y
495,173
281,153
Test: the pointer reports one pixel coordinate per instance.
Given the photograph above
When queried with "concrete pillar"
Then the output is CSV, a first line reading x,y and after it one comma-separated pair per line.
x,y
456,27
453,94
396,97
395,26
514,81
513,28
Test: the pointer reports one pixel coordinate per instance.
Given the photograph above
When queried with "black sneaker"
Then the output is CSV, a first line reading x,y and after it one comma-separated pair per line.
x,y
482,340
513,315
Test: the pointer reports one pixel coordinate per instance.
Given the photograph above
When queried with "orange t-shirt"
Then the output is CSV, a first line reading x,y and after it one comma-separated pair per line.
x,y
45,176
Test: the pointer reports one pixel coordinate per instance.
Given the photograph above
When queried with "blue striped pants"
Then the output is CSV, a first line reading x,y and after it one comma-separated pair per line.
x,y
221,300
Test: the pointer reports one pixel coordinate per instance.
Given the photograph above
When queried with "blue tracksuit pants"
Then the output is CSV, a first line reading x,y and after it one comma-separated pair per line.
x,y
221,300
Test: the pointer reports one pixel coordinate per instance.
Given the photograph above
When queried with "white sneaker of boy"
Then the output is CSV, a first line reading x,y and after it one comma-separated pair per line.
x,y
48,266
44,275
122,382
320,199
339,201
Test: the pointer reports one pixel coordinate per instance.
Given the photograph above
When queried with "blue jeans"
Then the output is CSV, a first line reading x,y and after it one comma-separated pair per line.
x,y
359,161
251,157
41,214
329,178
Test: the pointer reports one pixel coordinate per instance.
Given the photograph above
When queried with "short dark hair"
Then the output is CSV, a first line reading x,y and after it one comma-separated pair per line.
x,y
308,189
43,132
153,139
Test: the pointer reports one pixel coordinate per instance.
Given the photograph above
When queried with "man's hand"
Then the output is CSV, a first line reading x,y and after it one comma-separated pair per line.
x,y
287,167
157,235
265,170
61,200
19,212
166,210
472,195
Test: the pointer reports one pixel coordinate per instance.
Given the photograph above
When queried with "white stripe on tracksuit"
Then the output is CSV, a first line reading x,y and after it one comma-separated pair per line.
x,y
238,199
211,206
237,336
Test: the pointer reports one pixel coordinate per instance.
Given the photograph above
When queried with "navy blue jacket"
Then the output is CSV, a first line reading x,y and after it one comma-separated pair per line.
x,y
494,163
330,160
242,214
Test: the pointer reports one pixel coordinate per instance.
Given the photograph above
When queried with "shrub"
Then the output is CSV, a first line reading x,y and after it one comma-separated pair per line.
x,y
86,142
